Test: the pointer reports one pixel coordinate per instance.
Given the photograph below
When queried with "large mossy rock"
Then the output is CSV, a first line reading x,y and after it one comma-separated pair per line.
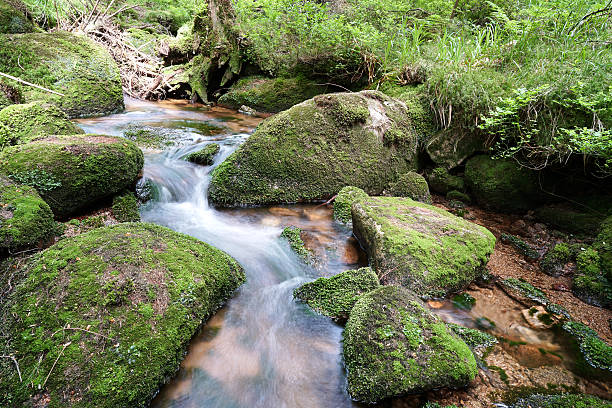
x,y
441,181
344,201
26,220
411,185
14,17
393,346
450,147
67,63
72,172
335,296
25,122
317,147
270,95
502,184
109,313
419,246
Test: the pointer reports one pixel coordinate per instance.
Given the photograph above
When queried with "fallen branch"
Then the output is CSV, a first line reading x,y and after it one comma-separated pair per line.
x,y
30,84
53,366
16,365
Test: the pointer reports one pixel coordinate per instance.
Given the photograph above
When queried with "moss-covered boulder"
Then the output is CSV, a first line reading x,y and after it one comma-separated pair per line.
x,y
70,64
411,185
72,172
441,181
561,401
125,208
336,296
25,122
205,156
312,150
419,246
478,341
393,346
14,18
344,201
455,195
592,281
103,319
564,218
25,219
448,148
270,95
555,259
501,184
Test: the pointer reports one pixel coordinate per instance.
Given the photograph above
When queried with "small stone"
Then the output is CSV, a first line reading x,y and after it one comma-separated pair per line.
x,y
245,110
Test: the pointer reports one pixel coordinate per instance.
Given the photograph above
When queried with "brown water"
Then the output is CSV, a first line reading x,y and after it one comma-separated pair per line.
x,y
264,349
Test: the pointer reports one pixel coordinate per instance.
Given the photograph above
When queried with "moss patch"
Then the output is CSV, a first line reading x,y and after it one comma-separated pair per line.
x,y
112,311
67,63
393,346
523,292
478,341
14,17
125,208
441,181
270,95
420,246
562,401
205,156
312,150
521,246
501,184
411,185
335,296
71,172
555,259
344,200
293,236
26,122
592,282
26,221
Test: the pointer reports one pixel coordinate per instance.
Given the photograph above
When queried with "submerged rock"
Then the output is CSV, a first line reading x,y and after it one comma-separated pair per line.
x,y
344,200
67,63
419,246
14,18
411,185
312,150
26,122
205,156
270,94
501,184
71,172
109,313
336,295
393,346
26,221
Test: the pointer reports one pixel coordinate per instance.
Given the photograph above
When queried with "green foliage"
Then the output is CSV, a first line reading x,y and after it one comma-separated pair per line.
x,y
336,295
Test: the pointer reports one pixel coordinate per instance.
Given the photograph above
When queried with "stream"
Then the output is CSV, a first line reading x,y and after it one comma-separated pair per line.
x,y
264,349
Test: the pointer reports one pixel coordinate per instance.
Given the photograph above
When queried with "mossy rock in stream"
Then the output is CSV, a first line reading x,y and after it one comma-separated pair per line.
x,y
595,351
335,296
502,184
419,246
26,122
478,341
393,345
270,94
103,319
26,221
411,185
205,156
14,18
72,172
317,147
67,63
561,401
344,201
293,236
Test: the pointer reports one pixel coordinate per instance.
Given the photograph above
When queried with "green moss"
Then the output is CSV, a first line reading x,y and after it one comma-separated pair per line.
x,y
562,401
26,122
458,196
441,181
501,184
393,346
335,296
420,246
523,291
125,208
603,245
270,95
110,314
78,170
205,156
521,246
596,352
463,301
436,405
411,185
148,137
555,259
293,235
67,63
14,17
591,282
502,373
344,200
312,150
569,220
478,341
26,221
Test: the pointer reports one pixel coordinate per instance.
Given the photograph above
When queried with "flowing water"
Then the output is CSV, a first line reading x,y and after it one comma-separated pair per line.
x,y
264,349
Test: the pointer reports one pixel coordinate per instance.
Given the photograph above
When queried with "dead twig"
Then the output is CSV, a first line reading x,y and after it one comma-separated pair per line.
x,y
30,84
16,365
56,360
